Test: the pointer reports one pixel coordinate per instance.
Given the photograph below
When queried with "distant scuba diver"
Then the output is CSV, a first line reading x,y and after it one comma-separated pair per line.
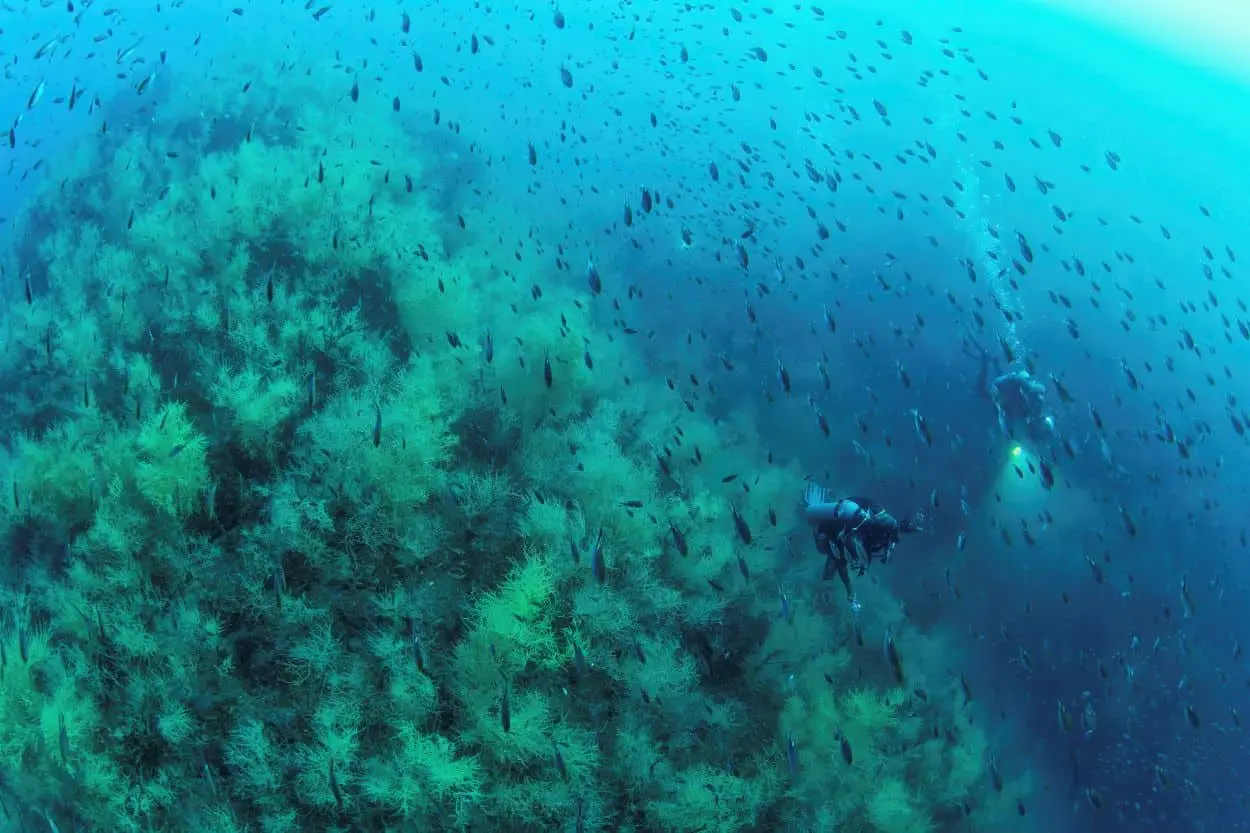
x,y
1018,397
852,532
1022,412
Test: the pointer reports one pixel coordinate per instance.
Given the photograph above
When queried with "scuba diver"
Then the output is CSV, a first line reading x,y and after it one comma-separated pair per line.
x,y
1022,413
852,532
1018,397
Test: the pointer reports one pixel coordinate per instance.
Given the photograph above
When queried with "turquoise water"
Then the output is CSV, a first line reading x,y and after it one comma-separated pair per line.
x,y
410,410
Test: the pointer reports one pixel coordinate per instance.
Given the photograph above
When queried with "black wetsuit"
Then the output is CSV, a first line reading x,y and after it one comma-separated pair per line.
x,y
876,531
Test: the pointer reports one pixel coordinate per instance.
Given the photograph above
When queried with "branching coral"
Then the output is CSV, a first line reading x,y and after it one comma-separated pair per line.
x,y
172,471
512,626
422,776
333,523
389,448
257,404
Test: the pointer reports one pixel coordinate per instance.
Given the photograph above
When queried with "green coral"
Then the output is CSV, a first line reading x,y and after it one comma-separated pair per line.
x,y
322,491
894,809
172,468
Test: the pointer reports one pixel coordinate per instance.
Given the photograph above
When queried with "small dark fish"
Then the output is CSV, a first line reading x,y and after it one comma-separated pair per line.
x,y
547,378
63,736
893,657
593,279
922,428
740,524
377,425
742,567
1129,375
679,540
1064,717
822,422
792,754
505,710
418,656
845,746
1047,476
559,760
579,660
279,585
334,788
176,450
598,566
488,348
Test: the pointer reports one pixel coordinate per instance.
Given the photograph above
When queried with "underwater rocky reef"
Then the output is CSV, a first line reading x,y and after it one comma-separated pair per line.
x,y
328,513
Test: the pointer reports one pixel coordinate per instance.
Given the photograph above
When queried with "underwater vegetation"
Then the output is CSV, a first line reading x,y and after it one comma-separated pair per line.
x,y
318,521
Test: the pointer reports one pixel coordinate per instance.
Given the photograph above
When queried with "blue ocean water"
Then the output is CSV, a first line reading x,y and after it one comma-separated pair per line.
x,y
857,197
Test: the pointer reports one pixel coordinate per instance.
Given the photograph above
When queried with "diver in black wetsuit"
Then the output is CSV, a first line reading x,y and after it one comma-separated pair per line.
x,y
852,532
1018,398
1022,413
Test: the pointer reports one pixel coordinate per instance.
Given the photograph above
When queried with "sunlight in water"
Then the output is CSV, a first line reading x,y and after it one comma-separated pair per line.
x,y
1213,33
